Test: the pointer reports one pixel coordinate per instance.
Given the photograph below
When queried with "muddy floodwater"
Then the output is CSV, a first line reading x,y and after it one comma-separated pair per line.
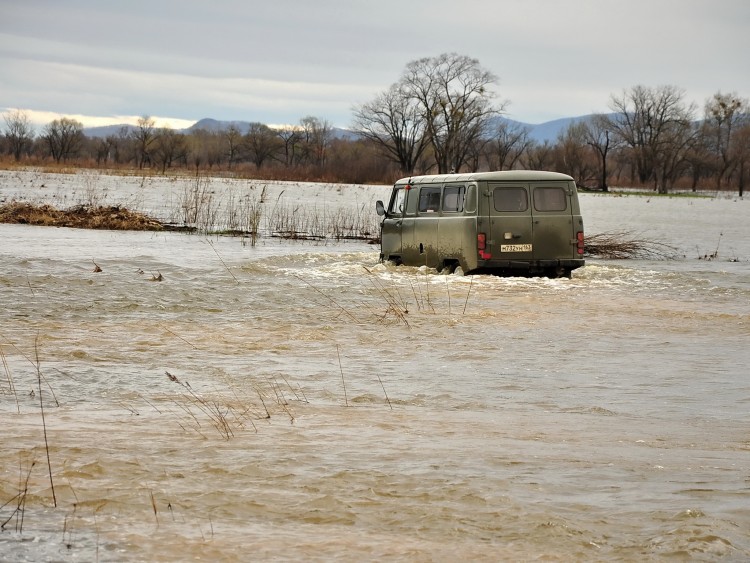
x,y
200,398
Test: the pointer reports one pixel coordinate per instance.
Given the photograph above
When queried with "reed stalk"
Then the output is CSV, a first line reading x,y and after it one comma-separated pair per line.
x,y
20,509
11,384
44,423
384,391
471,282
153,506
211,409
222,261
396,304
448,290
341,369
333,301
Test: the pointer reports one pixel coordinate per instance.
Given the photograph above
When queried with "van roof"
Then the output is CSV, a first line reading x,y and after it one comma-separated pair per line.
x,y
504,175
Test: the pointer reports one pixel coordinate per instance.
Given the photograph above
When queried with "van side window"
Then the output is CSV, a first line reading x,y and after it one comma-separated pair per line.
x,y
550,199
429,200
411,201
470,201
397,202
510,199
453,198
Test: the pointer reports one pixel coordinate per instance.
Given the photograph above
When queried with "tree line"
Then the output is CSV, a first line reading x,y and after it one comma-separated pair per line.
x,y
440,116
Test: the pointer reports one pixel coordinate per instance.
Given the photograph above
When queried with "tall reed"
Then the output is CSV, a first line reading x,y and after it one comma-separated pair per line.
x,y
44,422
11,384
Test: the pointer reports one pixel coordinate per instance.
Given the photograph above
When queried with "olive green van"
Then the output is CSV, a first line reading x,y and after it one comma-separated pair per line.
x,y
516,222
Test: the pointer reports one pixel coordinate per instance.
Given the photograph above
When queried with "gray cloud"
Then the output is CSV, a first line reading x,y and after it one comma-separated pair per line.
x,y
279,61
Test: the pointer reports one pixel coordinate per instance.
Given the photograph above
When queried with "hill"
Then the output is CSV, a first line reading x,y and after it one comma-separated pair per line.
x,y
548,131
206,124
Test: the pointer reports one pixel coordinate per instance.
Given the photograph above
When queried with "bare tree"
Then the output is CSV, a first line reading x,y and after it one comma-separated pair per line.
x,y
63,137
18,132
104,148
123,145
204,149
672,158
144,135
507,146
261,143
724,115
539,156
700,159
290,140
453,93
233,138
393,122
599,136
168,146
742,148
657,126
475,150
316,137
572,155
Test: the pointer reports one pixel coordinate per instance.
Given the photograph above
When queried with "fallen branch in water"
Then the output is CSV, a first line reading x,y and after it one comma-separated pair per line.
x,y
620,245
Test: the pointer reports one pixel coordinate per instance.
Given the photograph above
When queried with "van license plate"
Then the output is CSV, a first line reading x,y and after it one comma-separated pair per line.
x,y
515,248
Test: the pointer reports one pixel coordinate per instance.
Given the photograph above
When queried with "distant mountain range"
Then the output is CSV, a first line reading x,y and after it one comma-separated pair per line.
x,y
548,131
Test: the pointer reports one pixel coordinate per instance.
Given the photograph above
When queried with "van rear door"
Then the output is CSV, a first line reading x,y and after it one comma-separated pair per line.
x,y
511,235
553,221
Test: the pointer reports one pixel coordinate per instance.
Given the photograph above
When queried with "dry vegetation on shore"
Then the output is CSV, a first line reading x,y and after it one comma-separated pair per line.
x,y
80,217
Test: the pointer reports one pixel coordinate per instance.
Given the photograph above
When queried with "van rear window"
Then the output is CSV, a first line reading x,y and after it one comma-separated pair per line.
x,y
550,199
510,199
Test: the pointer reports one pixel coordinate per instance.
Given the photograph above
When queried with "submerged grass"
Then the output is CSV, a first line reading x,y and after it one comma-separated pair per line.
x,y
18,502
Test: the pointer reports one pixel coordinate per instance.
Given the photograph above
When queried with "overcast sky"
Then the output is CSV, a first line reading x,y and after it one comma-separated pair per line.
x,y
277,61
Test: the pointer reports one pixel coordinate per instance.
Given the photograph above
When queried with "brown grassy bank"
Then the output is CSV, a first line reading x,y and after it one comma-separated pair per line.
x,y
80,217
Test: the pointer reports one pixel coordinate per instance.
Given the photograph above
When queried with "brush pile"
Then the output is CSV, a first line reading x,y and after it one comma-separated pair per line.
x,y
618,245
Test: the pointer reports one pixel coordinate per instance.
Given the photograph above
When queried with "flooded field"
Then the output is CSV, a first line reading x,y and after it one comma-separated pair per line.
x,y
200,398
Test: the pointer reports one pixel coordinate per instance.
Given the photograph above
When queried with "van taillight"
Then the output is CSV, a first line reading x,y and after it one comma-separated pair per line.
x,y
482,246
579,242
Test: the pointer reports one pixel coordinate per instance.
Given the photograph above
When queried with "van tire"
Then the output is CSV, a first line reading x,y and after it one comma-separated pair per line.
x,y
449,266
558,272
395,260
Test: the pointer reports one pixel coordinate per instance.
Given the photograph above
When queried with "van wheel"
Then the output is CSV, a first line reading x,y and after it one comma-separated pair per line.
x,y
554,273
449,267
558,272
